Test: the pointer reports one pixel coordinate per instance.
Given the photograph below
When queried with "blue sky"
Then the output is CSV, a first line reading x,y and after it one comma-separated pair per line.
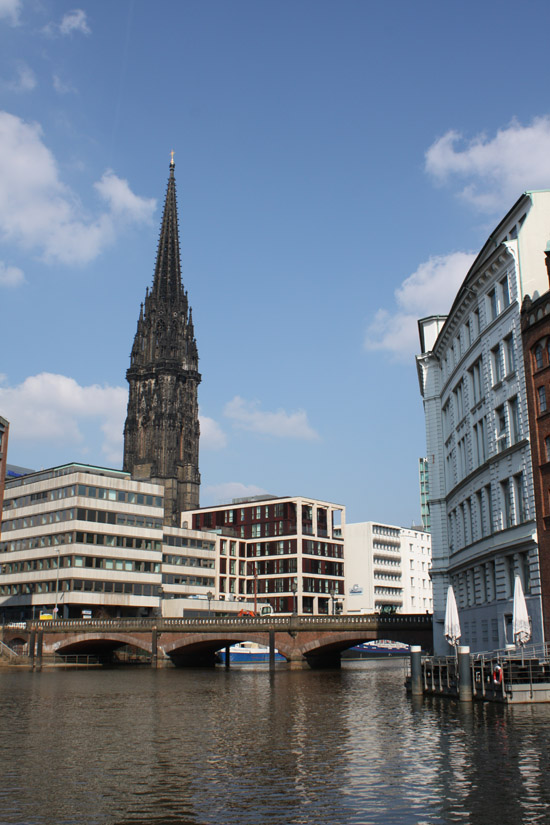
x,y
337,164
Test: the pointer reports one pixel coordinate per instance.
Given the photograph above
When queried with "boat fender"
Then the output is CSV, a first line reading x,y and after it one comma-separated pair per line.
x,y
497,675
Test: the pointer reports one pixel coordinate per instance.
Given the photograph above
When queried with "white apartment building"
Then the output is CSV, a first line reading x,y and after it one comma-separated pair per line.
x,y
387,568
472,380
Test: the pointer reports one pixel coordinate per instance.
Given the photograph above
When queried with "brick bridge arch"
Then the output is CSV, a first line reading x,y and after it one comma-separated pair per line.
x,y
316,640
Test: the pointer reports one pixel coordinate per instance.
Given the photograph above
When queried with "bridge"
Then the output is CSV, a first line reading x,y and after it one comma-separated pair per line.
x,y
317,641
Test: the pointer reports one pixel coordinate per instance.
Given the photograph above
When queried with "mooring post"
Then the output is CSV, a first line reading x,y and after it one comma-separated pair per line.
x,y
154,647
465,693
39,643
227,656
416,670
30,646
272,650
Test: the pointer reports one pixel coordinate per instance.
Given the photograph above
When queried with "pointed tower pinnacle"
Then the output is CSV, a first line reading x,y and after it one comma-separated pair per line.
x,y
161,434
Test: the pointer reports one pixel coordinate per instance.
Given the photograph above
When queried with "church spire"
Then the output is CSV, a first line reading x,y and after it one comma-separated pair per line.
x,y
167,280
161,434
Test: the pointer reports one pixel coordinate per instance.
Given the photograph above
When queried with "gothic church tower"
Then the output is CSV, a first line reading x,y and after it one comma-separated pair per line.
x,y
161,434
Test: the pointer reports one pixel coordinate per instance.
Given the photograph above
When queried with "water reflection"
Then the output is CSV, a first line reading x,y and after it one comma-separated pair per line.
x,y
243,746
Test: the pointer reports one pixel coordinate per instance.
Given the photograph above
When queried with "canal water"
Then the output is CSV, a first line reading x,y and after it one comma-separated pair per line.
x,y
246,747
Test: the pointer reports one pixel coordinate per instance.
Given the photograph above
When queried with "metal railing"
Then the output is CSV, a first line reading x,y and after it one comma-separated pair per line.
x,y
76,659
8,652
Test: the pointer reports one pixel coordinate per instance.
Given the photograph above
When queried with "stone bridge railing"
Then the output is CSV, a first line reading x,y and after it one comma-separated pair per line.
x,y
228,624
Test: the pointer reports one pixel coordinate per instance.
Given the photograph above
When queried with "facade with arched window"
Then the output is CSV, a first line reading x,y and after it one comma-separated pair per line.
x,y
473,382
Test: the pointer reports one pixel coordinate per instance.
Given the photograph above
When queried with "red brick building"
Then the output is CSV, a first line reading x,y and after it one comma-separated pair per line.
x,y
4,432
287,551
535,328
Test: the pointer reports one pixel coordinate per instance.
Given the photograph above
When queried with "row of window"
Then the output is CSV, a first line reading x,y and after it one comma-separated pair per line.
x,y
77,585
100,516
256,513
188,561
474,518
380,530
387,548
55,539
233,567
105,493
421,583
51,540
272,548
276,566
503,364
479,585
194,581
322,586
387,577
232,547
323,568
492,305
460,460
323,548
97,562
185,541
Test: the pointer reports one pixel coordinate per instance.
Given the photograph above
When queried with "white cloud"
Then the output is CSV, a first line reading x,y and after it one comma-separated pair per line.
x,y
74,21
121,199
10,9
248,416
428,291
37,211
494,171
212,435
10,275
224,493
25,80
62,87
54,408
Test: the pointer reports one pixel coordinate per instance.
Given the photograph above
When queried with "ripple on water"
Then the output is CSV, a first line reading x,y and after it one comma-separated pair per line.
x,y
243,747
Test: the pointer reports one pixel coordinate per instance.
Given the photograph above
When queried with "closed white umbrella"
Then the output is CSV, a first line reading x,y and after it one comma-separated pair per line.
x,y
452,622
521,625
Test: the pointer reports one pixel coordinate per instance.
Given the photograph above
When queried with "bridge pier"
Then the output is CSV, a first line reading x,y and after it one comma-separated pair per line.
x,y
154,647
30,647
39,647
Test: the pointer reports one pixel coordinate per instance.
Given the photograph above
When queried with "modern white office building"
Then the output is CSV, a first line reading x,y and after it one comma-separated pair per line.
x,y
472,381
80,538
387,569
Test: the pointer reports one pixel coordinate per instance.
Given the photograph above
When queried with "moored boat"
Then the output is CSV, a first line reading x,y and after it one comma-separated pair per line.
x,y
379,649
247,653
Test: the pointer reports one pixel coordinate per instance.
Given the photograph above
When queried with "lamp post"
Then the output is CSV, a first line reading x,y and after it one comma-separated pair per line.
x,y
56,608
209,596
332,593
294,588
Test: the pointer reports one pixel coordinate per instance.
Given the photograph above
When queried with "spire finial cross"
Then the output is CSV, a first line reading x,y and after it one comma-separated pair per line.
x,y
172,158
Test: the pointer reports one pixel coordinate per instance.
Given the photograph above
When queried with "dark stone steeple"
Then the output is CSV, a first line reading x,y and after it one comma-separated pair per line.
x,y
161,434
